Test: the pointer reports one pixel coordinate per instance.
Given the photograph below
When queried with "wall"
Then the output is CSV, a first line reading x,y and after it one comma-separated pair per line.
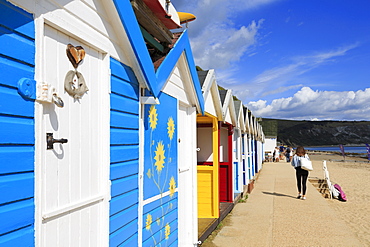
x,y
204,142
124,156
160,173
270,144
17,142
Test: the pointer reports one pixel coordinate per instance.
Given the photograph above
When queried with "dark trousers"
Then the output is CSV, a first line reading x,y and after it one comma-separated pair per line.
x,y
302,176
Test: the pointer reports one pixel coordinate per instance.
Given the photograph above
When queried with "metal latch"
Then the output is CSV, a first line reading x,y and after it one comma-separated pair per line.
x,y
50,141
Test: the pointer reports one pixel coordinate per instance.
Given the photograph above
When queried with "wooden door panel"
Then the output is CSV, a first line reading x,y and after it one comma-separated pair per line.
x,y
73,189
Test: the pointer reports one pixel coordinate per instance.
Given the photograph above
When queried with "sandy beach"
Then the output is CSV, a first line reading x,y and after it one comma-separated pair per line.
x,y
268,218
353,176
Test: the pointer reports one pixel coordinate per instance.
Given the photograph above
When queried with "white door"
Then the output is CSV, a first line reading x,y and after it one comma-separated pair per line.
x,y
187,180
74,188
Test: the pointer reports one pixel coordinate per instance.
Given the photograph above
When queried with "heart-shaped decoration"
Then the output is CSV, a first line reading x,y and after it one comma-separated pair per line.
x,y
75,54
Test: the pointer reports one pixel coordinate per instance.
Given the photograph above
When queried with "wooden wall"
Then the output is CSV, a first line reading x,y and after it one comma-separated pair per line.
x,y
160,211
124,152
17,60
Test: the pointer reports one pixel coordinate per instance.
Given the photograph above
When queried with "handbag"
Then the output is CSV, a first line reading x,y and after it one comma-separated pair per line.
x,y
306,164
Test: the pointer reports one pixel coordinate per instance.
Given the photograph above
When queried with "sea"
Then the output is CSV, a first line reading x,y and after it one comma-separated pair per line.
x,y
347,149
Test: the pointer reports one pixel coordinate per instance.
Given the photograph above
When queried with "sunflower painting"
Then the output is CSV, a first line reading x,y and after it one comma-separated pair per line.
x,y
153,117
172,186
159,157
148,221
160,169
170,127
167,231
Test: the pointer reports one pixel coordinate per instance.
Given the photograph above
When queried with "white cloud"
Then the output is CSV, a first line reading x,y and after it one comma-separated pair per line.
x,y
307,104
300,65
216,41
221,45
282,78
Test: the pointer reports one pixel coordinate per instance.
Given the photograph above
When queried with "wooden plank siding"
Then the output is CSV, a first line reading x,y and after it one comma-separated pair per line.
x,y
161,210
17,134
124,152
206,191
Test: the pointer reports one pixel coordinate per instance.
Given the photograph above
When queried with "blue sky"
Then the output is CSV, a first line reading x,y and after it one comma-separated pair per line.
x,y
287,59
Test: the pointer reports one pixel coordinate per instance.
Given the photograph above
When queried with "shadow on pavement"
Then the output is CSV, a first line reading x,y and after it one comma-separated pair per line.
x,y
277,194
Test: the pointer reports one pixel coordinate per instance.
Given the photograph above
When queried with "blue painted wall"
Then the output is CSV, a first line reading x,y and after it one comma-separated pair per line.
x,y
124,152
256,157
160,167
236,176
17,142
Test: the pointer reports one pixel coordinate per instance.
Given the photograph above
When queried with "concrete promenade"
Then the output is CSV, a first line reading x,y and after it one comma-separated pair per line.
x,y
273,216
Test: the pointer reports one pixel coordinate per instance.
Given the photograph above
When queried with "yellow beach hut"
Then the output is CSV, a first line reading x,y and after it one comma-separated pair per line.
x,y
208,154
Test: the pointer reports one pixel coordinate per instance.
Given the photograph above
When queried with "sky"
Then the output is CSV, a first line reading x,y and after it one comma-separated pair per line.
x,y
287,59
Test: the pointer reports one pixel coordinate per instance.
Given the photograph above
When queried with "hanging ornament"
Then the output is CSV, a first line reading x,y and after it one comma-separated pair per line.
x,y
75,54
74,82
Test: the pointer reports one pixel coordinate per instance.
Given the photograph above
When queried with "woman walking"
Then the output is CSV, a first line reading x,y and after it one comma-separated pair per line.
x,y
301,174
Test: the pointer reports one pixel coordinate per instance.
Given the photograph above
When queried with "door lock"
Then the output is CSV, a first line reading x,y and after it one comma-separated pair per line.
x,y
50,141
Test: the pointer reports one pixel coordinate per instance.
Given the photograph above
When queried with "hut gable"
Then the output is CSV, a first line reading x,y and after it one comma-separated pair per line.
x,y
211,96
239,113
156,79
181,55
246,120
228,109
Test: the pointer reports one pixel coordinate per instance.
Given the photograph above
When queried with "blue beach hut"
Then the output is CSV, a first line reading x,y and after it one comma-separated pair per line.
x,y
238,149
88,124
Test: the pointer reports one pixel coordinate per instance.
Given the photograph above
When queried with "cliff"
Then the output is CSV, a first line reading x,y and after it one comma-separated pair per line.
x,y
317,133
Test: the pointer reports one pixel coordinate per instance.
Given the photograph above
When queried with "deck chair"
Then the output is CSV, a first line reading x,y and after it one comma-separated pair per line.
x,y
327,179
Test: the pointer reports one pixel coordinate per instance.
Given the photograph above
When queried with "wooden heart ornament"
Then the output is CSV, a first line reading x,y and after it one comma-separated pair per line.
x,y
75,54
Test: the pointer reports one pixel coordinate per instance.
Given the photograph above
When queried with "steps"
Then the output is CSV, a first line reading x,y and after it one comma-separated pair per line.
x,y
321,186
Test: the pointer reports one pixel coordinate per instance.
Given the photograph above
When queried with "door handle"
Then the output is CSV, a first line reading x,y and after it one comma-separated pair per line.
x,y
50,141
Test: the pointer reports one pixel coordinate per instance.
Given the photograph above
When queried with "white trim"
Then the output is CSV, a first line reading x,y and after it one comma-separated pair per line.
x,y
141,173
157,197
183,170
72,207
149,100
105,145
39,109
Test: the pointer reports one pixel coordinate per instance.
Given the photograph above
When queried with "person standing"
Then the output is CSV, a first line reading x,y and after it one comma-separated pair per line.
x,y
276,154
287,153
291,153
301,174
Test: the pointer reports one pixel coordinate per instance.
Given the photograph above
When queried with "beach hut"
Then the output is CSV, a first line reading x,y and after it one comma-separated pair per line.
x,y
261,142
82,109
226,131
259,146
238,148
55,60
167,204
208,154
254,144
170,158
248,166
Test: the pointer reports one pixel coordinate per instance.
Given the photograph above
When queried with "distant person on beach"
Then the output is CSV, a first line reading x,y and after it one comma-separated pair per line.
x,y
291,153
281,152
301,174
276,155
287,153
